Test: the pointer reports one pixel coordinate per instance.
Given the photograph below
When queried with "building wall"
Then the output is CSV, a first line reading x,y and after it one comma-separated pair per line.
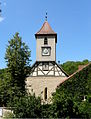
x,y
4,111
40,43
37,85
52,70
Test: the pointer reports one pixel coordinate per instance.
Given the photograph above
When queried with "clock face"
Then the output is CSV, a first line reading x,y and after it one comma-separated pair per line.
x,y
46,51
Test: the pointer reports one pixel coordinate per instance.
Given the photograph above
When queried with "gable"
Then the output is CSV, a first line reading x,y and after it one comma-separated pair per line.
x,y
47,69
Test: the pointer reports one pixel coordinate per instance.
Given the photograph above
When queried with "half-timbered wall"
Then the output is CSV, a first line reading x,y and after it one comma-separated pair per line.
x,y
44,79
45,74
47,69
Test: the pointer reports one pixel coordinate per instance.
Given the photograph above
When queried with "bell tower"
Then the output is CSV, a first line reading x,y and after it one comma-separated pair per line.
x,y
45,74
45,64
46,40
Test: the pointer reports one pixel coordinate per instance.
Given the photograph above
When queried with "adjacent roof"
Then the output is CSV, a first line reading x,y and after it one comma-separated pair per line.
x,y
46,30
74,74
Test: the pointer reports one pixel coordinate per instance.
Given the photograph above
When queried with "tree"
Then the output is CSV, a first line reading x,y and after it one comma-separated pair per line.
x,y
2,72
4,87
71,66
27,106
18,61
73,98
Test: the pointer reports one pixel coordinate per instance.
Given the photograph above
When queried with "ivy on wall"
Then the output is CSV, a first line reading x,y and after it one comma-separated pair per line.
x,y
73,97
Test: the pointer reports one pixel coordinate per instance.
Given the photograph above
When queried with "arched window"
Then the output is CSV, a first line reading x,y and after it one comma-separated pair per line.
x,y
45,41
45,93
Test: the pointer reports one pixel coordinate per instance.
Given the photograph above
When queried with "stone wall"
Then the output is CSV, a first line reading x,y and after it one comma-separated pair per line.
x,y
37,85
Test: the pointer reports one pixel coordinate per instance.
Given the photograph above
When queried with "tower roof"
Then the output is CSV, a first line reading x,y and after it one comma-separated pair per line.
x,y
46,30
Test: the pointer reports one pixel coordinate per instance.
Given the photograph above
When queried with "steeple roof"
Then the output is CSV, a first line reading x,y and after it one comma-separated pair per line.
x,y
46,29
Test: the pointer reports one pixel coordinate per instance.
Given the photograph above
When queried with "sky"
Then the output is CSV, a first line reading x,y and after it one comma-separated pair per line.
x,y
70,19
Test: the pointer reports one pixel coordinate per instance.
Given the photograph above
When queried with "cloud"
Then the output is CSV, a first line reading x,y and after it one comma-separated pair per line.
x,y
1,19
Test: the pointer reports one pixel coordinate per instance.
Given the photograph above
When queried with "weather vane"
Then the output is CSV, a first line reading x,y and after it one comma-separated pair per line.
x,y
0,9
46,16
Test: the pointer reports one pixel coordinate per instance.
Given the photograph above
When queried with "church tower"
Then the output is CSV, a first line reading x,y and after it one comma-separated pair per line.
x,y
46,40
45,73
45,64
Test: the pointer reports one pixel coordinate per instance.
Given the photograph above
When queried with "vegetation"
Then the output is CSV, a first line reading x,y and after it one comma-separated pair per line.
x,y
12,82
71,100
70,66
8,115
2,73
18,58
26,106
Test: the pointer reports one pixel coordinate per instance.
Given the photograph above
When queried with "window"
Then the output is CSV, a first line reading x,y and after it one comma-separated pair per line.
x,y
45,67
45,41
45,93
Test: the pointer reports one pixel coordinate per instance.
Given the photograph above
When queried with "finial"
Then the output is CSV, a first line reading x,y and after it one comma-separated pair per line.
x,y
46,17
0,9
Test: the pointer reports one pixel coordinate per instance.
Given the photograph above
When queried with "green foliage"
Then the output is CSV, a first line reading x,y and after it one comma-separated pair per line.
x,y
12,79
8,115
70,66
2,72
27,106
4,89
69,98
67,101
18,59
47,111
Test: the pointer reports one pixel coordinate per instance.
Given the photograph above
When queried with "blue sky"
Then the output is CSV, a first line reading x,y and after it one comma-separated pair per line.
x,y
71,19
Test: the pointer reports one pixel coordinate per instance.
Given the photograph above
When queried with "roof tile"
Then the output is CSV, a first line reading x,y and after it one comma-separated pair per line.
x,y
45,29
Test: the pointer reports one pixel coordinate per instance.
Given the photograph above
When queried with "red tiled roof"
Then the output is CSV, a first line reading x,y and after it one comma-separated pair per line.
x,y
45,29
74,74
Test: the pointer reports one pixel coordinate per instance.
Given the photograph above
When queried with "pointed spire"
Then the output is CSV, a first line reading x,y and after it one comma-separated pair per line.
x,y
46,30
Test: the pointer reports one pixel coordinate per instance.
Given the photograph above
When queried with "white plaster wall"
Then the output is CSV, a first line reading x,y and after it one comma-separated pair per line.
x,y
5,110
50,72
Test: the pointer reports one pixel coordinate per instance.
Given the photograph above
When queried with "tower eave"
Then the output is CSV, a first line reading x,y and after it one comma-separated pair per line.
x,y
55,35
